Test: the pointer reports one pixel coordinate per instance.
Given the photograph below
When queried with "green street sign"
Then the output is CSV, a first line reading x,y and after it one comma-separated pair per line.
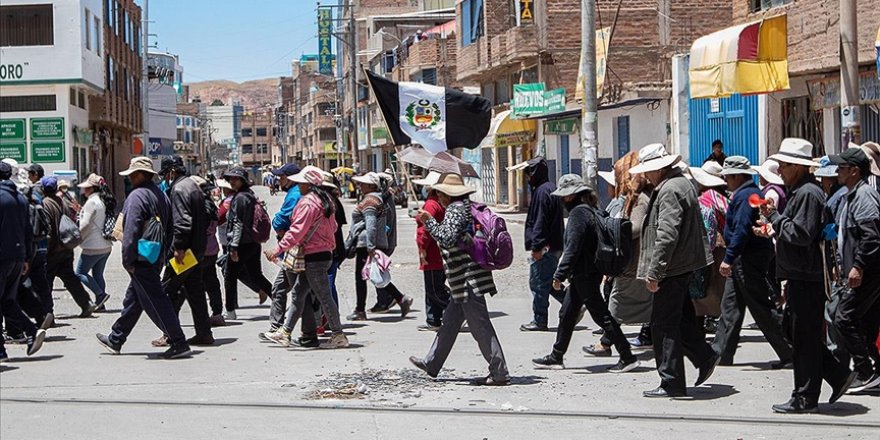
x,y
11,130
47,128
47,152
560,126
528,99
14,150
554,101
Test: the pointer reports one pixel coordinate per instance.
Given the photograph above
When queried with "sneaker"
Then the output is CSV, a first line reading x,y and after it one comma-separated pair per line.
x,y
549,362
230,315
797,405
204,340
305,342
101,301
533,327
16,339
280,337
48,320
177,351
218,321
598,350
428,328
623,367
639,343
105,342
379,308
338,340
263,335
36,342
405,306
859,384
357,316
161,341
599,331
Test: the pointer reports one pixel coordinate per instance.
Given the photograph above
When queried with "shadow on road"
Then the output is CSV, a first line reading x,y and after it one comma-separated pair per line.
x,y
711,392
843,409
59,338
393,318
5,368
22,360
152,355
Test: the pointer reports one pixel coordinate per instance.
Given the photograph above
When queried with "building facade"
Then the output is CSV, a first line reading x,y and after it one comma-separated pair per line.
x,y
257,137
225,123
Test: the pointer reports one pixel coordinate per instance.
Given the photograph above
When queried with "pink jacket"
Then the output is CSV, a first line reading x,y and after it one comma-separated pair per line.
x,y
309,212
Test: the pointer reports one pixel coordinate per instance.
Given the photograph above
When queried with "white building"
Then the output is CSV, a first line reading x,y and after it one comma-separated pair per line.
x,y
226,123
52,62
166,76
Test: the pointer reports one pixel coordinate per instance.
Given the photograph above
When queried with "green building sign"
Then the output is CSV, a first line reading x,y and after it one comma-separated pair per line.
x,y
530,100
47,152
11,130
13,150
47,128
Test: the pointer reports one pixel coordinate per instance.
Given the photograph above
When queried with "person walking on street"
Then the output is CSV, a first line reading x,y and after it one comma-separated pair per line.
x,y
281,224
312,230
59,260
543,239
208,263
372,213
798,232
857,319
188,221
16,249
96,247
578,265
745,266
674,245
430,261
145,207
244,251
468,282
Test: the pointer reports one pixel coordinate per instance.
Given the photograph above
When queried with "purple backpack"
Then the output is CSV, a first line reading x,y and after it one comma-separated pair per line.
x,y
492,247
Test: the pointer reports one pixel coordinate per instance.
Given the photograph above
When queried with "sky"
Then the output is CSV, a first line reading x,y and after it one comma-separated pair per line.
x,y
236,40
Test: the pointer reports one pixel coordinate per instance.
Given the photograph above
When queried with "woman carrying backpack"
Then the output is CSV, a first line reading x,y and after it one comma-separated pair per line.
x,y
577,264
468,282
95,231
244,250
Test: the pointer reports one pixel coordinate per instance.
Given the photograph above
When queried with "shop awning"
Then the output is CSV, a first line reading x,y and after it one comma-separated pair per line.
x,y
747,59
504,131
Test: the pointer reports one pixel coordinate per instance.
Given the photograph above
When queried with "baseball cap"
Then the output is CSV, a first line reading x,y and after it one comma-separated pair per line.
x,y
286,170
5,171
49,184
853,157
171,162
37,169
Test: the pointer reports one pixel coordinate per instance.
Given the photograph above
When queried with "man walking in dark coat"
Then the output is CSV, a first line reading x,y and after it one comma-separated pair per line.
x,y
145,293
746,264
543,239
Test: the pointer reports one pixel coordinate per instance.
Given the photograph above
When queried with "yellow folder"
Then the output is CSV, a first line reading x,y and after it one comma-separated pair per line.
x,y
189,261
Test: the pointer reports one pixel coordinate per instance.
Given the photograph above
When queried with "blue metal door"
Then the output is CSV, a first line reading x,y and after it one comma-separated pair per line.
x,y
564,154
734,120
623,145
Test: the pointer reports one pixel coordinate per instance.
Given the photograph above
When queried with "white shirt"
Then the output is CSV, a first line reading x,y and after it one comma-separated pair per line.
x,y
91,226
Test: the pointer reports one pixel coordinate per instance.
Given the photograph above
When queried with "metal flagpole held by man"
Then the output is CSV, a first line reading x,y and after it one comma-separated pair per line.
x,y
590,115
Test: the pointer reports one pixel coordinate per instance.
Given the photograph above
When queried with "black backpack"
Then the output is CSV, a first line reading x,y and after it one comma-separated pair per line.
x,y
41,225
614,249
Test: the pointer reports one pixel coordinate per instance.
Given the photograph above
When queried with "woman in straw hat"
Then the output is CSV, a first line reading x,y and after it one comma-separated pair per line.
x,y
99,207
468,282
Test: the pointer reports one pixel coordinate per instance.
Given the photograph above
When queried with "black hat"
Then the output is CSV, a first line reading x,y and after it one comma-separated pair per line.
x,y
36,169
854,157
287,170
169,163
239,172
5,171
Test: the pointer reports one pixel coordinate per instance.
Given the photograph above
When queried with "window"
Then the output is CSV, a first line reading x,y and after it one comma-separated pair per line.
x,y
97,35
261,131
246,132
27,103
471,21
87,29
111,74
262,149
426,76
801,121
125,84
763,5
621,136
72,96
247,149
81,100
29,25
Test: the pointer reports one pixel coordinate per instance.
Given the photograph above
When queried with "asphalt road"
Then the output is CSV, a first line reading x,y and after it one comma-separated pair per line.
x,y
74,389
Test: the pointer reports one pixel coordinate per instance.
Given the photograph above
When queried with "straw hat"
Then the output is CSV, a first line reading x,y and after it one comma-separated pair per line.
x,y
310,174
63,185
431,179
569,185
452,185
222,183
139,163
769,170
329,180
370,178
705,179
94,181
795,151
654,157
873,151
713,168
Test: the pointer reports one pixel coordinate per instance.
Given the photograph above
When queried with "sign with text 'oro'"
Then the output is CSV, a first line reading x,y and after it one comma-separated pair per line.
x,y
325,55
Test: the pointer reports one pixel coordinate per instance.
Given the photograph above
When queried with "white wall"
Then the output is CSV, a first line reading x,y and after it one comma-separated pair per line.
x,y
645,127
68,58
63,110
163,107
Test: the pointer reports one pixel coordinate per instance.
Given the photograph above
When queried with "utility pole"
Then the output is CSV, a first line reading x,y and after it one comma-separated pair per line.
x,y
850,129
590,114
145,76
352,48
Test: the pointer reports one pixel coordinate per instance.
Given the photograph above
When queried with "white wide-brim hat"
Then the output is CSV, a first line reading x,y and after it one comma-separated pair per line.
x,y
654,157
431,179
370,178
452,185
705,179
608,177
795,151
769,170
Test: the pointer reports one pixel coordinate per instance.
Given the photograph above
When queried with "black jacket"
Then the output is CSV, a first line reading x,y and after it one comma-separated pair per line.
x,y
141,204
240,218
798,232
581,241
738,230
861,241
544,224
15,226
188,216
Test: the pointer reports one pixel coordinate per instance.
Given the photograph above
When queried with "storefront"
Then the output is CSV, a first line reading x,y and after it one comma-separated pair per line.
x,y
508,143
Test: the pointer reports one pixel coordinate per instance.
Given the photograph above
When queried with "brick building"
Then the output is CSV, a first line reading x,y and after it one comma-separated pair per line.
x,y
257,136
303,109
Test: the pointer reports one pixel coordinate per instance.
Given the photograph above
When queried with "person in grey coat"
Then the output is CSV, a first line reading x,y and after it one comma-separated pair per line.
x,y
674,245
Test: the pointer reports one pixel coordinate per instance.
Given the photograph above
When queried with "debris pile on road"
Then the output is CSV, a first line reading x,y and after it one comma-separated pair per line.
x,y
409,382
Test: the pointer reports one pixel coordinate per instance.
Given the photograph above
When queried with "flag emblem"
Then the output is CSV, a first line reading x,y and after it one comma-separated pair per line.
x,y
423,114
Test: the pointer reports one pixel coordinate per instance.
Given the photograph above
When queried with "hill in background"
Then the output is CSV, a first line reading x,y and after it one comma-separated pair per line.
x,y
260,94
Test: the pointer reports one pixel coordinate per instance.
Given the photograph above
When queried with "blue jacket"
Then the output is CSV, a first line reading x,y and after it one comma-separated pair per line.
x,y
139,206
281,221
544,226
15,226
740,218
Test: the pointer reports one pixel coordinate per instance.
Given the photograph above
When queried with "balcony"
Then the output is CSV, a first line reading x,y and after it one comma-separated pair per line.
x,y
323,121
493,54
